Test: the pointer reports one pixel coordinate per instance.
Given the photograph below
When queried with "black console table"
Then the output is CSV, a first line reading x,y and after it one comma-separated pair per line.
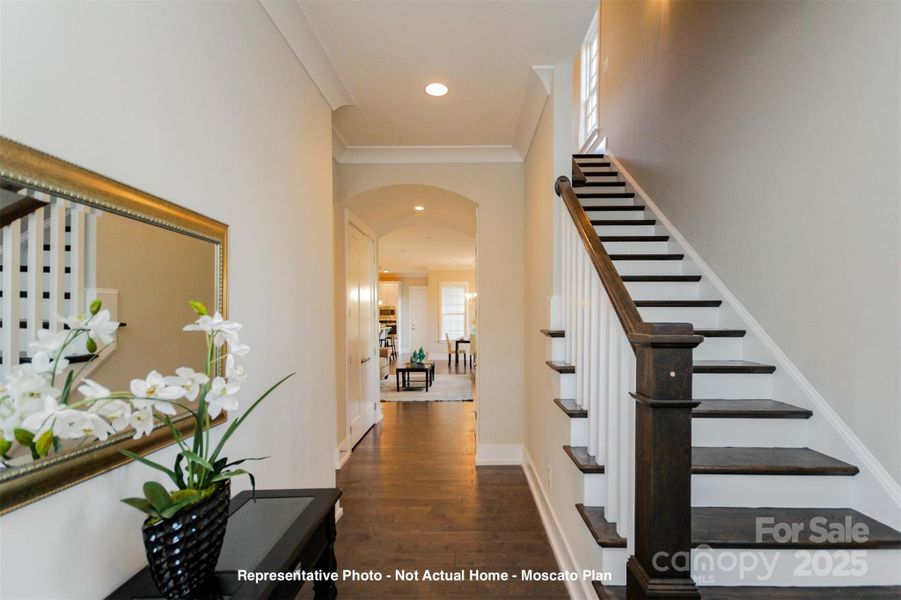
x,y
283,531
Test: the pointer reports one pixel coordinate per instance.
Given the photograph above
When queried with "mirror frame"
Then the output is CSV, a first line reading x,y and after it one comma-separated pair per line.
x,y
35,169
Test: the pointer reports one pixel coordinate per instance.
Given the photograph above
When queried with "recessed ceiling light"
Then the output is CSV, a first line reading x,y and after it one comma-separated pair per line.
x,y
436,89
418,207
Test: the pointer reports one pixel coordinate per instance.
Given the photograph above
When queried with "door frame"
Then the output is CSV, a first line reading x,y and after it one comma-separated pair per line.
x,y
352,220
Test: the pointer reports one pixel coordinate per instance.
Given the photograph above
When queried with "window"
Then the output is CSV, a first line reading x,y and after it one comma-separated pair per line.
x,y
590,75
453,310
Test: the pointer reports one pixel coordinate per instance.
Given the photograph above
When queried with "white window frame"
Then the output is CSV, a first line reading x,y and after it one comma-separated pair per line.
x,y
441,286
589,89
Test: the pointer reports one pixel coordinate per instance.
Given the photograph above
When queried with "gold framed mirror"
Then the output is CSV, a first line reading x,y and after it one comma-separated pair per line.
x,y
109,241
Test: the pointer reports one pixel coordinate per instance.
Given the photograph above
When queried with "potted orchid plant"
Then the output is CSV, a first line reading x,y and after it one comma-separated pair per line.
x,y
40,414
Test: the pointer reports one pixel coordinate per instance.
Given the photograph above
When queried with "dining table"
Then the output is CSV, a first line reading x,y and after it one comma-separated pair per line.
x,y
457,343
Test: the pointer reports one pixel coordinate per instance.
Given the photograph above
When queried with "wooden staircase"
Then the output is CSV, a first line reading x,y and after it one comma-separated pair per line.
x,y
746,467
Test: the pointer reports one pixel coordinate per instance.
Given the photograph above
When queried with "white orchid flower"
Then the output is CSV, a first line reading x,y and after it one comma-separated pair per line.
x,y
189,380
25,383
235,373
221,397
44,363
87,424
142,421
92,390
48,341
222,330
117,412
155,387
53,416
101,328
238,349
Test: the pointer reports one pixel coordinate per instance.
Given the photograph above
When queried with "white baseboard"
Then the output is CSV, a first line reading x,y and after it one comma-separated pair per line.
x,y
339,511
866,459
342,453
562,551
498,454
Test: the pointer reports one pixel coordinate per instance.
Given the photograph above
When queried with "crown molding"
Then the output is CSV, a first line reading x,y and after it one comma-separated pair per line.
x,y
361,155
291,22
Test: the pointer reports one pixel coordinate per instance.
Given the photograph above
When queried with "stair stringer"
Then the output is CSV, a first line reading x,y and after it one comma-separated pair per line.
x,y
873,491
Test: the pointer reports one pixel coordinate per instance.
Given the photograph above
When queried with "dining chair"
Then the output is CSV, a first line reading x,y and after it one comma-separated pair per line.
x,y
450,350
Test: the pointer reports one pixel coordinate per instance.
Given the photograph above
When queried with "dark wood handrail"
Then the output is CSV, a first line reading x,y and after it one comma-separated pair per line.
x,y
21,208
663,396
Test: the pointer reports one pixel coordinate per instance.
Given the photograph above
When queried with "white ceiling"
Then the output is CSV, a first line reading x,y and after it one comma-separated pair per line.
x,y
386,51
416,249
390,207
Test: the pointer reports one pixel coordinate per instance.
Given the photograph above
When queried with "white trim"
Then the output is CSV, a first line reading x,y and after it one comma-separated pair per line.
x,y
566,560
498,454
342,453
339,511
361,155
339,146
295,28
867,461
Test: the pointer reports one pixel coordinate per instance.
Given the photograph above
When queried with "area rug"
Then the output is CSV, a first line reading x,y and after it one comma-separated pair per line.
x,y
447,388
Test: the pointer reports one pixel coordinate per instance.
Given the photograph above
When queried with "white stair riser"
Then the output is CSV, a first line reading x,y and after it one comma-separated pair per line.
x,y
717,385
601,176
626,229
663,290
621,215
649,267
699,317
567,386
602,189
799,491
720,348
594,489
613,561
771,433
557,348
578,431
584,161
796,568
637,247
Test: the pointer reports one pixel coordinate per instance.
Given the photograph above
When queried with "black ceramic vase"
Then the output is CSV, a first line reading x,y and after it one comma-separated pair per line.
x,y
182,551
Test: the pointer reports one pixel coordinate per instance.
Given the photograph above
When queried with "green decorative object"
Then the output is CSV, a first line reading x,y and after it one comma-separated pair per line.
x,y
418,357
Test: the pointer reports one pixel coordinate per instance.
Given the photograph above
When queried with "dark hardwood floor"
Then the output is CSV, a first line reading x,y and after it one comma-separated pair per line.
x,y
413,499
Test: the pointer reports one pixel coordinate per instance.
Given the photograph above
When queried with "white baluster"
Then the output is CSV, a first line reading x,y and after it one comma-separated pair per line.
x,y
34,280
77,259
627,430
630,371
614,478
57,261
579,337
594,414
9,345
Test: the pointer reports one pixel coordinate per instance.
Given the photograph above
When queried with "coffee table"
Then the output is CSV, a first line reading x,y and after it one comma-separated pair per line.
x,y
403,372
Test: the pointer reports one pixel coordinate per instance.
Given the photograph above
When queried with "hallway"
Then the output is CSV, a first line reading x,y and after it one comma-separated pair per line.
x,y
413,499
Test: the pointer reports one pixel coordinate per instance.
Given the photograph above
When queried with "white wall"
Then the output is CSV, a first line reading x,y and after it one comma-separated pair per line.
x,y
768,132
205,105
497,189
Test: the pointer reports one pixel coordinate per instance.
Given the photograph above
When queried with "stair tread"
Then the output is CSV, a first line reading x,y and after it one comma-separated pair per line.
x,y
658,278
572,410
560,366
731,366
632,207
612,194
715,408
721,332
626,222
678,303
602,530
583,194
737,527
584,155
648,256
583,460
718,592
634,238
766,461
554,333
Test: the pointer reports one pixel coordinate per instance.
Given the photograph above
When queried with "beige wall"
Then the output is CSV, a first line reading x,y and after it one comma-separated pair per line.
x,y
497,189
203,104
156,272
404,305
768,133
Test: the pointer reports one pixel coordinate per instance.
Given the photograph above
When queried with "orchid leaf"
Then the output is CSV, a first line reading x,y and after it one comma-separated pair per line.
x,y
194,458
142,505
67,387
229,474
238,462
151,464
179,474
237,422
157,495
186,501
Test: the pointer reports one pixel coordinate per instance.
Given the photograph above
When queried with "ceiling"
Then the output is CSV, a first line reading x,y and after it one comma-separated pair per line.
x,y
415,249
388,208
386,51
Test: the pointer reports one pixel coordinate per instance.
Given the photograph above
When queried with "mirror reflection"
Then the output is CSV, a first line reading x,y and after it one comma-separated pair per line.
x,y
59,256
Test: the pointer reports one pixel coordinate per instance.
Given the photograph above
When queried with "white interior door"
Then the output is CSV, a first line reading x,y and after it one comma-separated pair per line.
x,y
362,361
419,317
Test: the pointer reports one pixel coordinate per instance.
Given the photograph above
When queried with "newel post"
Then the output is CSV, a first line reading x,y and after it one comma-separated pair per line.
x,y
660,567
